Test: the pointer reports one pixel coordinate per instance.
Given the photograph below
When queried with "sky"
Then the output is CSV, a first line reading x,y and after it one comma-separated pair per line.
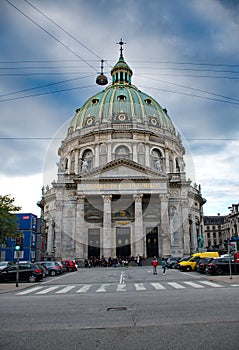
x,y
183,53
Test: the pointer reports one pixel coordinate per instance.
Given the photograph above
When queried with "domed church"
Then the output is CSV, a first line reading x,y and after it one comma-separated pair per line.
x,y
121,187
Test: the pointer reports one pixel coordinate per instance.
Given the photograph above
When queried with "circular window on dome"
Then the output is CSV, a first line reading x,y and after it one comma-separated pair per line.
x,y
121,117
89,121
153,121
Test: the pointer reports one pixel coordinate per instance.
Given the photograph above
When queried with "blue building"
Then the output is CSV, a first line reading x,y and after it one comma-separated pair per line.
x,y
29,230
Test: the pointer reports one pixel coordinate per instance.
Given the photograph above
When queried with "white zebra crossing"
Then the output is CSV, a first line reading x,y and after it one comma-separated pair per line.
x,y
121,287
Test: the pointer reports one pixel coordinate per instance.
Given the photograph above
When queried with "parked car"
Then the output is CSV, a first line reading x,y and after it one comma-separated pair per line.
x,y
52,267
177,266
70,265
28,272
202,264
4,264
62,266
190,264
221,266
172,261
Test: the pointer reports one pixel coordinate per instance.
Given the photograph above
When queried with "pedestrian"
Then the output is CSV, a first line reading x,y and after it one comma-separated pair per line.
x,y
155,264
164,266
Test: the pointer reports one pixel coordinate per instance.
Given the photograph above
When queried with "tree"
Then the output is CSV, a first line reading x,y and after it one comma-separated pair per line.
x,y
8,221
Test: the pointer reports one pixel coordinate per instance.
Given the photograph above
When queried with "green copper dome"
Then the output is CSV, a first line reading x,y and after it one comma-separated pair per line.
x,y
123,103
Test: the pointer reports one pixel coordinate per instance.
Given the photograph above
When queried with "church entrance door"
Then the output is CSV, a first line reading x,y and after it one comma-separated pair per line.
x,y
152,242
93,243
123,242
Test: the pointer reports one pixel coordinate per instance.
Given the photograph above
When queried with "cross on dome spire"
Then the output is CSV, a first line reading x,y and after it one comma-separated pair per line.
x,y
121,43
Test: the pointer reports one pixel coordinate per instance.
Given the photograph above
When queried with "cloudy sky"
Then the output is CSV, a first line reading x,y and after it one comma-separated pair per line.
x,y
184,53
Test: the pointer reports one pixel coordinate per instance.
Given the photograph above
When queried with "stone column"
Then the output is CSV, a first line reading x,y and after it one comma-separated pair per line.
x,y
147,157
185,225
107,227
165,235
81,237
135,153
76,170
97,155
194,235
138,242
50,236
109,153
167,161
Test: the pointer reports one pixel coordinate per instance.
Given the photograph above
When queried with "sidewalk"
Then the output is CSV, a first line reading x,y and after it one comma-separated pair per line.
x,y
11,287
224,279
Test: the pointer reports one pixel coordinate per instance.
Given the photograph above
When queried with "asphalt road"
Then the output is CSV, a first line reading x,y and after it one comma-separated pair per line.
x,y
122,309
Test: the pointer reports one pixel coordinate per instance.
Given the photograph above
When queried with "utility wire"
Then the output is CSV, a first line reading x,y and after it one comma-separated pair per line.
x,y
70,35
47,93
43,86
51,35
191,88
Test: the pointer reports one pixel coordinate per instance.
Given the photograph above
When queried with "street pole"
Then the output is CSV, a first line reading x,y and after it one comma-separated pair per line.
x,y
230,266
17,275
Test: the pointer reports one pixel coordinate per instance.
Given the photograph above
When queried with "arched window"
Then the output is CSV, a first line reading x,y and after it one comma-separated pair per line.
x,y
87,160
122,152
177,166
66,163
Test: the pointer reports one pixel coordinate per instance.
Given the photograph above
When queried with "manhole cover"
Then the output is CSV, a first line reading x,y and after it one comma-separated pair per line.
x,y
116,308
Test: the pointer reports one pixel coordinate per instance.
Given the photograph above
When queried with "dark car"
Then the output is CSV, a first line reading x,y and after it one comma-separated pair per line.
x,y
28,272
202,264
70,265
52,267
221,266
4,264
172,261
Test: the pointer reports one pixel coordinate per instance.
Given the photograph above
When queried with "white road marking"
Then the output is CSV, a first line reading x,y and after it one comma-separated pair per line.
x,y
65,290
102,288
31,290
122,277
194,285
176,285
158,286
121,288
211,284
50,289
84,289
139,286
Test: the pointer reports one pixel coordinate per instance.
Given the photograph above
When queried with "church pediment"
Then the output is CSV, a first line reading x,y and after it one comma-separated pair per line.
x,y
122,168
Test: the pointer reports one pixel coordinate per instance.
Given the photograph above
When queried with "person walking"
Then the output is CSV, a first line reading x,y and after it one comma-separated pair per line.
x,y
164,266
155,264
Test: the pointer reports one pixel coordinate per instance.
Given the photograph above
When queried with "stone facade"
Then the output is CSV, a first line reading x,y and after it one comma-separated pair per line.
x,y
121,187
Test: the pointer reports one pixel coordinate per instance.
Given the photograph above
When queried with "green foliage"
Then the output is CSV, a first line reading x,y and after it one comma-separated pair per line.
x,y
8,221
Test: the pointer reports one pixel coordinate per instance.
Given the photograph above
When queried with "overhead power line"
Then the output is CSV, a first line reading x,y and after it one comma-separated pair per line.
x,y
51,35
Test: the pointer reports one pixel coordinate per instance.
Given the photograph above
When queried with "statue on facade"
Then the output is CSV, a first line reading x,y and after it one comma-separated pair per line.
x,y
84,165
200,241
160,165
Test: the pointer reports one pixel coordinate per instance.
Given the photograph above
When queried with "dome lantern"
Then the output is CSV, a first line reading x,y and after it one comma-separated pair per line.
x,y
121,73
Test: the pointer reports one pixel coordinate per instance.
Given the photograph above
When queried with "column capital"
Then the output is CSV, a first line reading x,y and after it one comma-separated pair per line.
x,y
164,197
107,198
138,197
80,199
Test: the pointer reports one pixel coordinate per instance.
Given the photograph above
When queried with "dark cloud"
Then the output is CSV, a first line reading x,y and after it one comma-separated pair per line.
x,y
175,48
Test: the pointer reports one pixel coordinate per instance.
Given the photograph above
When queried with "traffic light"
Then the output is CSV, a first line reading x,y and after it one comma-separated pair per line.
x,y
19,243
